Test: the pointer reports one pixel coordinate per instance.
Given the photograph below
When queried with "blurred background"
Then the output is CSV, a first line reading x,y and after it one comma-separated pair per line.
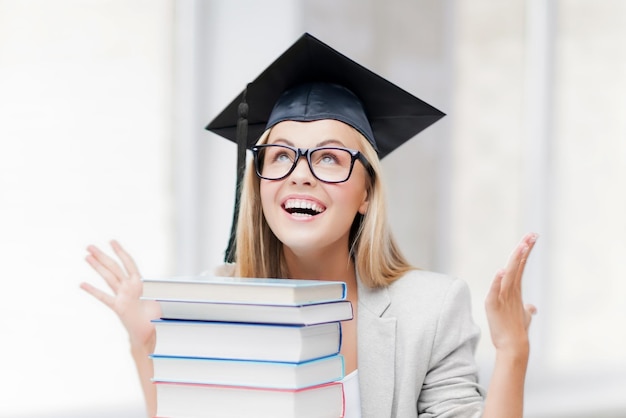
x,y
103,105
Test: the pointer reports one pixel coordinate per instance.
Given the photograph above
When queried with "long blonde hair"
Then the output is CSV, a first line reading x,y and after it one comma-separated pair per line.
x,y
376,255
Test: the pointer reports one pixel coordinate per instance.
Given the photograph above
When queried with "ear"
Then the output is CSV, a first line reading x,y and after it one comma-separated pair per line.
x,y
364,204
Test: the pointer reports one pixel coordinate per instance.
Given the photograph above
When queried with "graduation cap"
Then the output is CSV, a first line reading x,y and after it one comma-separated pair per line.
x,y
312,81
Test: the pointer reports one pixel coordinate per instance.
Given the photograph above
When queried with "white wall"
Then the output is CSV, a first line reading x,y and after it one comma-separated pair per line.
x,y
85,131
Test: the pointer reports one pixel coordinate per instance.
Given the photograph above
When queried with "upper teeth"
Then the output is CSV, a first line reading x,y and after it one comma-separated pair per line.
x,y
303,204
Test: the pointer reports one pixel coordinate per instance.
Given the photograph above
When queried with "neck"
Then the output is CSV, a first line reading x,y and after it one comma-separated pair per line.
x,y
323,265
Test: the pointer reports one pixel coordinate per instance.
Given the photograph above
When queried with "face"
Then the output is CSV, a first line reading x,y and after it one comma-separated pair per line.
x,y
329,208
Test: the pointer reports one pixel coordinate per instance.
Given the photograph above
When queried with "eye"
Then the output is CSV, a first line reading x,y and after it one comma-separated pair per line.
x,y
278,155
282,157
326,157
329,159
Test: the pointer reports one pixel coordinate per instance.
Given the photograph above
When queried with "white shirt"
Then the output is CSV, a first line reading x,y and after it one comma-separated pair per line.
x,y
351,395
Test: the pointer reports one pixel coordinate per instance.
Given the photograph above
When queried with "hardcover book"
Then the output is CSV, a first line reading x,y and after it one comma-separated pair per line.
x,y
190,400
262,374
245,341
244,290
270,314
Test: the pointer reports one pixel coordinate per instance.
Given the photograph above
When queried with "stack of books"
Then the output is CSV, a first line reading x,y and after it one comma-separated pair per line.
x,y
243,347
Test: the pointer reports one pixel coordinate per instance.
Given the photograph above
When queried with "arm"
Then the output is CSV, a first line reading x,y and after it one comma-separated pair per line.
x,y
509,320
135,314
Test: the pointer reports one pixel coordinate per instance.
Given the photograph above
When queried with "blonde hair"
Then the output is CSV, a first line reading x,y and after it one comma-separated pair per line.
x,y
376,255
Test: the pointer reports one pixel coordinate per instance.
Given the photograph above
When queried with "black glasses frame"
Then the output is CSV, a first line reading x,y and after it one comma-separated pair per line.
x,y
306,152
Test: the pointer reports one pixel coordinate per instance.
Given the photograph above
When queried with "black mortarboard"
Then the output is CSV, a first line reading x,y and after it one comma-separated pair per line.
x,y
385,114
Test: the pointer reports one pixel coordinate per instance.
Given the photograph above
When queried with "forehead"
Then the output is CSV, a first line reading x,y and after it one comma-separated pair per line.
x,y
316,133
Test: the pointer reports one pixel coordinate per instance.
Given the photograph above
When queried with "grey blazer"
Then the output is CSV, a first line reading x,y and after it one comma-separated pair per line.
x,y
416,342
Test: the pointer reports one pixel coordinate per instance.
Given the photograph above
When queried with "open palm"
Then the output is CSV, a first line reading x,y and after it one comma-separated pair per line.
x,y
125,282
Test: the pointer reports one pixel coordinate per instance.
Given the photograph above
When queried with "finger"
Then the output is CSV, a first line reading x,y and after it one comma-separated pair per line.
x,y
107,262
518,270
111,280
517,262
529,240
494,289
127,260
513,265
103,297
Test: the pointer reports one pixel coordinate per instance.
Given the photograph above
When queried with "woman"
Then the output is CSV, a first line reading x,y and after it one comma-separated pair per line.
x,y
312,207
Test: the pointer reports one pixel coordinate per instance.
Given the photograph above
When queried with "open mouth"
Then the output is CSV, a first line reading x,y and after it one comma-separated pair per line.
x,y
300,207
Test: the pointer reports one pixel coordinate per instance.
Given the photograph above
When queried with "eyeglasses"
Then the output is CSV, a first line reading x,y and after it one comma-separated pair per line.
x,y
327,164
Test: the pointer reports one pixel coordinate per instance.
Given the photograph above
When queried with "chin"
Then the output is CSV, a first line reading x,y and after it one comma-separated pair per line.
x,y
302,241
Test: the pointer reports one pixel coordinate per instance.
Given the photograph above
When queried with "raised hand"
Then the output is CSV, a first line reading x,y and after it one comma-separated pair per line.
x,y
125,282
135,314
509,320
508,316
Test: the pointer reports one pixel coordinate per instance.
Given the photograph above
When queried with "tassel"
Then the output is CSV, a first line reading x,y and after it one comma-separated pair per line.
x,y
242,145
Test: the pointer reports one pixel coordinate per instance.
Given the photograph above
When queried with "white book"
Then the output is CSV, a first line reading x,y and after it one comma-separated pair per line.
x,y
243,290
266,374
191,401
245,341
272,314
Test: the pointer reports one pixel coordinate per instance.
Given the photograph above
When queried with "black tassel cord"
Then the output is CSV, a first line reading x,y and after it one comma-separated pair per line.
x,y
242,144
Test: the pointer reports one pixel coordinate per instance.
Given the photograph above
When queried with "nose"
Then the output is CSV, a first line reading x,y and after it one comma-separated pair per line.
x,y
302,174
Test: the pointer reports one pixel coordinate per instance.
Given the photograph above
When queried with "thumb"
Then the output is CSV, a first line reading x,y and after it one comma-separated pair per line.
x,y
529,311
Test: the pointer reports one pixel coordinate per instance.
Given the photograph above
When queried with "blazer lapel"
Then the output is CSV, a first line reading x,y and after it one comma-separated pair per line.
x,y
376,352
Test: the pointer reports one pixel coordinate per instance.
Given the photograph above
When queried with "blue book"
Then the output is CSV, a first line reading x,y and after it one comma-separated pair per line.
x,y
316,313
246,341
263,374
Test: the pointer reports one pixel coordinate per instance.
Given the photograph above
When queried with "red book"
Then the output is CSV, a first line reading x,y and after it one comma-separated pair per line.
x,y
195,400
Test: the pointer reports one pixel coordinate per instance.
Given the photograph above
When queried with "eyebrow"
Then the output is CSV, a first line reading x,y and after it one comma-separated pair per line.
x,y
319,144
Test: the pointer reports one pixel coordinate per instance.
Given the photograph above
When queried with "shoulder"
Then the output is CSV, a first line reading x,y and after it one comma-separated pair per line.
x,y
432,305
421,278
427,288
418,292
